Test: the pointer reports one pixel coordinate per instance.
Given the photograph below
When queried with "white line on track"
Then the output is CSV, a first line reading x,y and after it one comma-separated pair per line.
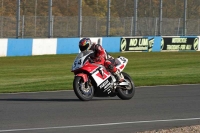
x,y
97,125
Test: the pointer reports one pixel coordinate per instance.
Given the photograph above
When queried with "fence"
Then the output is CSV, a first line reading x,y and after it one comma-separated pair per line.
x,y
67,18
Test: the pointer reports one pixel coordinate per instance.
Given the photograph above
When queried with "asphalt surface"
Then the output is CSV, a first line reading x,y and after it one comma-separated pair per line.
x,y
151,108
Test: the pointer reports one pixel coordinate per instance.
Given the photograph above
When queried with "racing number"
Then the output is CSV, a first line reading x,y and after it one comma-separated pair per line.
x,y
79,63
74,64
123,59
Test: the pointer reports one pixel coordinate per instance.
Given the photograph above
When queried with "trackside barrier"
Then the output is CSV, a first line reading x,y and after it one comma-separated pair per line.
x,y
29,47
180,43
140,44
199,43
67,45
159,43
111,44
44,46
19,47
154,44
3,47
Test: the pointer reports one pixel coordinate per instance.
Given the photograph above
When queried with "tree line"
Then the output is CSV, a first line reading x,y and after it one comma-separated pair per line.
x,y
119,8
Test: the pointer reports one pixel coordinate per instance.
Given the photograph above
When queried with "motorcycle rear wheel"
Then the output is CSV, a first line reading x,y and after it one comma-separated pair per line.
x,y
126,94
84,94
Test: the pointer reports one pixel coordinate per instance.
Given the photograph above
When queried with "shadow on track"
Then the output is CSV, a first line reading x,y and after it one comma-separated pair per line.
x,y
39,100
52,100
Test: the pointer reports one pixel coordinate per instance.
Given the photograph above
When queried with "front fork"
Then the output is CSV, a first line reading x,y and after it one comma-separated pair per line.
x,y
85,78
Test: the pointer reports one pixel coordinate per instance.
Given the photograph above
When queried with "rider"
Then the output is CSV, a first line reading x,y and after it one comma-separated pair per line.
x,y
100,56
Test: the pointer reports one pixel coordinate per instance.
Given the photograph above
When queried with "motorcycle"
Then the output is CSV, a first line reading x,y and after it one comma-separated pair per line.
x,y
93,80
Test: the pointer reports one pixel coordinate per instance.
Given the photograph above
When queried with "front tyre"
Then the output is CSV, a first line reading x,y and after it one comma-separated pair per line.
x,y
126,92
84,94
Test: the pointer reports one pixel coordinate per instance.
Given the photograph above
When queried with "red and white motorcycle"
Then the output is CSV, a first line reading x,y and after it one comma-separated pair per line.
x,y
93,80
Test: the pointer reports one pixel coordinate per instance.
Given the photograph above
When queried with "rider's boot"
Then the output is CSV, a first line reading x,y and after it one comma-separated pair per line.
x,y
119,76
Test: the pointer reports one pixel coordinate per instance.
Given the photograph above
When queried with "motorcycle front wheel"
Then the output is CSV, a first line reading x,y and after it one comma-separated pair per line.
x,y
126,92
83,93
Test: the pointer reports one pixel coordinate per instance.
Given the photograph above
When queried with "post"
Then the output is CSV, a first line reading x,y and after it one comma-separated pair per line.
x,y
198,26
80,19
23,25
132,26
35,16
185,18
135,16
108,18
179,20
2,20
18,19
160,18
156,24
50,20
96,26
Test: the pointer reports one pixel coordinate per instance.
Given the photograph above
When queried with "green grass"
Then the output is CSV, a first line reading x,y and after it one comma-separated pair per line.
x,y
53,72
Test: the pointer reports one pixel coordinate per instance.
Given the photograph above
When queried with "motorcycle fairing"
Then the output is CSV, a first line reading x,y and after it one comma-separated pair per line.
x,y
105,87
89,67
122,61
100,75
84,76
81,59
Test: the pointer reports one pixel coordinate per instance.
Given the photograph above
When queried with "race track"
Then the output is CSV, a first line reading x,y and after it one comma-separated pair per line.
x,y
62,112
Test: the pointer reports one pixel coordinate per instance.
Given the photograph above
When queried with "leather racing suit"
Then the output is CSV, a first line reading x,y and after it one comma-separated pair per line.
x,y
101,57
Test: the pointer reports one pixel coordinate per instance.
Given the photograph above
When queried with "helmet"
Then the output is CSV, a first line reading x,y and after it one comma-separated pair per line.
x,y
85,44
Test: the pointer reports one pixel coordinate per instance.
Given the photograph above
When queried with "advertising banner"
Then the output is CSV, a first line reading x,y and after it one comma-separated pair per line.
x,y
179,43
131,44
199,44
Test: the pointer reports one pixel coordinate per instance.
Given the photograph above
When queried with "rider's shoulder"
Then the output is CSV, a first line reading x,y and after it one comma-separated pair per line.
x,y
98,46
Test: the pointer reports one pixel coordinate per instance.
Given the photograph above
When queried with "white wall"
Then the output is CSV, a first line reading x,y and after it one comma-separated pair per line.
x,y
3,47
44,46
96,40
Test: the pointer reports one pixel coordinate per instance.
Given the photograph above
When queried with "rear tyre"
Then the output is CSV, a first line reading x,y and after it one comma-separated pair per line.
x,y
126,94
84,94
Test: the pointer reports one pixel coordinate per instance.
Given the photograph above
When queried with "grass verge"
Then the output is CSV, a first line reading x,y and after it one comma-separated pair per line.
x,y
53,72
